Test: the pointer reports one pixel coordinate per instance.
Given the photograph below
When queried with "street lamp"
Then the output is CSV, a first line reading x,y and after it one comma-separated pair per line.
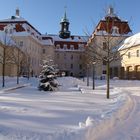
x,y
87,74
93,76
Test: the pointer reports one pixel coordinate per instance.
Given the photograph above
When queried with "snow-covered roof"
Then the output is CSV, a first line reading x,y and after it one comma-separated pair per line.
x,y
13,18
73,38
20,20
47,42
131,41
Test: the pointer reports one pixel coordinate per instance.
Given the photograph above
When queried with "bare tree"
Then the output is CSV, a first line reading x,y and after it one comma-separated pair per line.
x,y
6,43
90,61
103,45
17,57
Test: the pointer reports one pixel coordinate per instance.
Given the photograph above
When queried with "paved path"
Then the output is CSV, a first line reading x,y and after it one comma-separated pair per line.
x,y
128,129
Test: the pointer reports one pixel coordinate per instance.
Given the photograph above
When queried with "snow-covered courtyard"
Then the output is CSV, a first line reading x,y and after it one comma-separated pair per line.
x,y
74,112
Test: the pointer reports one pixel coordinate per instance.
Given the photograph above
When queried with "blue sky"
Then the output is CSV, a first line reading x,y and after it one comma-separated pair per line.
x,y
45,15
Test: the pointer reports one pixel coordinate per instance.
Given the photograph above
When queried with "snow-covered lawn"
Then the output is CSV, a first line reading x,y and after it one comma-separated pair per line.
x,y
66,114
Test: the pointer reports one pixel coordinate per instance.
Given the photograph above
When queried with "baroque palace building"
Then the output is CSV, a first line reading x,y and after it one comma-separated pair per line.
x,y
64,49
69,52
112,38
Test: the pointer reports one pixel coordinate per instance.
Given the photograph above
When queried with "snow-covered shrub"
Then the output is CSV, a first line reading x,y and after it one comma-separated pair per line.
x,y
115,78
47,77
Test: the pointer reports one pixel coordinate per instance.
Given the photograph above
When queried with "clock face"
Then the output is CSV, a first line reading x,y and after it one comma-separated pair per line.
x,y
65,24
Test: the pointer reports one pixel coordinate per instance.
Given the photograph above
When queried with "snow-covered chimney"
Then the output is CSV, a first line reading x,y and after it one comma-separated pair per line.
x,y
17,12
110,10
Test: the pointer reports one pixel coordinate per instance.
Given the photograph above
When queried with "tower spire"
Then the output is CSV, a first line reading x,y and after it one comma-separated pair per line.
x,y
64,32
65,15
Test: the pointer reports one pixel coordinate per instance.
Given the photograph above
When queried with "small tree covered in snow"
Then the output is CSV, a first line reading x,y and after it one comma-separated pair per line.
x,y
47,77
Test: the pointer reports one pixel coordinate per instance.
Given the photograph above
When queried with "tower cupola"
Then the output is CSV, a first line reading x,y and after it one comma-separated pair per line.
x,y
64,32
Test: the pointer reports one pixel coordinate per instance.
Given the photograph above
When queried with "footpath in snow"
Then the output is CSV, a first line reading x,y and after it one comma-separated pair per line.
x,y
74,112
128,126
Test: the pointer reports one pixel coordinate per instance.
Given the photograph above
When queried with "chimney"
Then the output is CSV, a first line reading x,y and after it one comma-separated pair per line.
x,y
110,10
17,12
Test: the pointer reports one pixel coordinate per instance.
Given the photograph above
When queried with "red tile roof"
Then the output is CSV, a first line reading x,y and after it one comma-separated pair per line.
x,y
2,27
107,26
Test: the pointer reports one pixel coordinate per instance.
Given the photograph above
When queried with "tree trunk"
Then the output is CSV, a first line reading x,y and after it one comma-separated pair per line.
x,y
108,79
3,69
87,76
3,75
28,72
17,74
93,78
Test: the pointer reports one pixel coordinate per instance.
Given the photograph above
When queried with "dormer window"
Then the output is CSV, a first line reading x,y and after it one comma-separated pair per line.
x,y
115,30
58,46
80,46
72,37
65,46
72,47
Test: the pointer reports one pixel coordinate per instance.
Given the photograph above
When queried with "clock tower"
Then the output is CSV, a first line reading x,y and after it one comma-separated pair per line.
x,y
64,33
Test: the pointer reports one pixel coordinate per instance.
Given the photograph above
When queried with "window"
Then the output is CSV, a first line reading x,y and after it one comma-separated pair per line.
x,y
57,55
43,51
71,47
104,71
104,46
65,29
80,66
57,46
71,74
65,46
138,53
21,43
71,66
115,30
80,57
129,54
71,57
72,37
65,56
81,46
